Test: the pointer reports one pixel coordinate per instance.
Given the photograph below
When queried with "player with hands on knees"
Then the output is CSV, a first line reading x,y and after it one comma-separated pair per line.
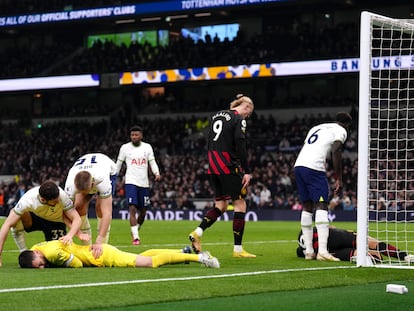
x,y
312,182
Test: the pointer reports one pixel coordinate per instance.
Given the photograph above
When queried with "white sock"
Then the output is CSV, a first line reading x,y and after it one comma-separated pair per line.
x,y
106,239
199,231
134,232
237,248
86,228
19,236
307,230
322,225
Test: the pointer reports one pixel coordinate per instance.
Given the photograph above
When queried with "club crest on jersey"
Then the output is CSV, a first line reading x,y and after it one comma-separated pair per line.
x,y
243,126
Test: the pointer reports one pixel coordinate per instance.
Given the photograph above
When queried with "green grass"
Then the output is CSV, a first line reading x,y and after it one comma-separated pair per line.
x,y
276,279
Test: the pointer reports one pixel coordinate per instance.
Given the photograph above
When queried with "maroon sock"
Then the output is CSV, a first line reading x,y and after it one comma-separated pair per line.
x,y
210,218
390,250
238,227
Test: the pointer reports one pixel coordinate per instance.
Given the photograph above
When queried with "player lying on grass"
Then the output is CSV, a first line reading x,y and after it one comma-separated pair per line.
x,y
56,254
342,243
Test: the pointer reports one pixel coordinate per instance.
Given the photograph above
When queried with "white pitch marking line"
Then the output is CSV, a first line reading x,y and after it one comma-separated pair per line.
x,y
38,288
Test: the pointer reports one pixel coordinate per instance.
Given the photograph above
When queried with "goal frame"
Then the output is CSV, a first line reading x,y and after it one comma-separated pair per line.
x,y
365,69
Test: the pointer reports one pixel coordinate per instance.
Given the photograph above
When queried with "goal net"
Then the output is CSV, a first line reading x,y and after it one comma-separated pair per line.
x,y
386,143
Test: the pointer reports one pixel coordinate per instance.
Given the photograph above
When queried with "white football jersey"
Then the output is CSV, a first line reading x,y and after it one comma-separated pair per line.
x,y
137,160
30,202
100,166
318,143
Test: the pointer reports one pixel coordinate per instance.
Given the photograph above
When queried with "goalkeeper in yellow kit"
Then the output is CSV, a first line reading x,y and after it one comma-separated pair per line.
x,y
56,254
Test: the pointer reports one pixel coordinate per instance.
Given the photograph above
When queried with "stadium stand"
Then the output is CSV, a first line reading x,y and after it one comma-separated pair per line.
x,y
41,137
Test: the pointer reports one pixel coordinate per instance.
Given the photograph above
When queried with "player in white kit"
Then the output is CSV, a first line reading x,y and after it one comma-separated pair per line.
x,y
93,174
43,208
138,156
312,182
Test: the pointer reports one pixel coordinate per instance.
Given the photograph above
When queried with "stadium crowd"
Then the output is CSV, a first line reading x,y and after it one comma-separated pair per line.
x,y
36,155
285,40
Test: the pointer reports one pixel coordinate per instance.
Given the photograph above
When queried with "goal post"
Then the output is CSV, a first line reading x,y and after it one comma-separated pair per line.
x,y
386,141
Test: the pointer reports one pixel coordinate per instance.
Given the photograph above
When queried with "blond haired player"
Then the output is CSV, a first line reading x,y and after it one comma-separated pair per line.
x,y
93,174
229,170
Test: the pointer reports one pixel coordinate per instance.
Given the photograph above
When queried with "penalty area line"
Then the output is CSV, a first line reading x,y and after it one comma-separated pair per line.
x,y
190,278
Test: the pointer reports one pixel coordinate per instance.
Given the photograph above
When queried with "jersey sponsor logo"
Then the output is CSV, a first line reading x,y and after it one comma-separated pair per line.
x,y
139,161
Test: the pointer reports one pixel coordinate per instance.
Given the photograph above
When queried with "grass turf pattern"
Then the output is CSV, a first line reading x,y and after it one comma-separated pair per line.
x,y
276,279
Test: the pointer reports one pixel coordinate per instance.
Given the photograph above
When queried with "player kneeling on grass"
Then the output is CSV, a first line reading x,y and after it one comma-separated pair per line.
x,y
56,254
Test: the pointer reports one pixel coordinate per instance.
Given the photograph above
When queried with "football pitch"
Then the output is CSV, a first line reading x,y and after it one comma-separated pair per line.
x,y
275,280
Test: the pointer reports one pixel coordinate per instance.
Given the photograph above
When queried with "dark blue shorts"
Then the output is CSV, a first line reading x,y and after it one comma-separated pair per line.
x,y
312,185
138,196
113,183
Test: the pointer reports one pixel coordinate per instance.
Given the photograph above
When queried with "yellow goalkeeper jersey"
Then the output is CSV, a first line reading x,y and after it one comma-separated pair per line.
x,y
78,256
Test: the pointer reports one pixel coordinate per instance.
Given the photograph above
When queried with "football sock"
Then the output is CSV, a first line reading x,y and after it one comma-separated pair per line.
x,y
210,218
391,251
86,228
238,227
167,258
19,236
237,248
199,231
307,230
134,232
322,226
106,239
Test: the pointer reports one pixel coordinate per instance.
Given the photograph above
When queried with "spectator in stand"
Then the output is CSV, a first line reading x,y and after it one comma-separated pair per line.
x,y
265,197
382,204
47,157
297,206
2,201
347,204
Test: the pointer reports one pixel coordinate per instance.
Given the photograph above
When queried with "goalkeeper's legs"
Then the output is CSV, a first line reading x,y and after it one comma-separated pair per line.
x,y
158,257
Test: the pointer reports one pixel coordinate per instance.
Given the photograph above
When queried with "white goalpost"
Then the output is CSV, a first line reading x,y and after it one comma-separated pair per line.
x,y
386,141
